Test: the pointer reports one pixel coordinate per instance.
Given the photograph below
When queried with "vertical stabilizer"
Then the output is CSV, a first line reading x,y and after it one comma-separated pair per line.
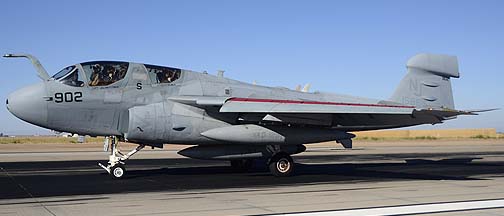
x,y
427,83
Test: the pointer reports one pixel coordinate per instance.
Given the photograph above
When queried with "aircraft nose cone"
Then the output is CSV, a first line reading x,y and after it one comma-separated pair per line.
x,y
29,104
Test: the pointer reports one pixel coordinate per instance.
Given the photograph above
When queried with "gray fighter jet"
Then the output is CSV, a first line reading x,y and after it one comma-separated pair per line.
x,y
223,119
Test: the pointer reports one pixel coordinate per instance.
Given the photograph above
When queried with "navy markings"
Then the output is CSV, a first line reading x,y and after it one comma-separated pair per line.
x,y
67,97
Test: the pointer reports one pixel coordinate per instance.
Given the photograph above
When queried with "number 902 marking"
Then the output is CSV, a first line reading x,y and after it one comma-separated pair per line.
x,y
68,97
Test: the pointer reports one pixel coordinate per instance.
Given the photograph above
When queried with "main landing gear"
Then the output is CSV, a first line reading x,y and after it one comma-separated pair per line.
x,y
281,165
117,159
279,161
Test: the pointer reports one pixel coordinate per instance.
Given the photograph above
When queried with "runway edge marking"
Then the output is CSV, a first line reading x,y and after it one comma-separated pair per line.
x,y
409,209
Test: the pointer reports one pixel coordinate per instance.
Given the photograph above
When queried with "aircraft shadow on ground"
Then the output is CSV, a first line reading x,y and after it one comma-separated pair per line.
x,y
179,175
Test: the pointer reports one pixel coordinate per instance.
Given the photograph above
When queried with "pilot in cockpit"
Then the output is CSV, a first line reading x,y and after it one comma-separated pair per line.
x,y
121,73
109,75
95,76
159,76
170,75
166,76
105,73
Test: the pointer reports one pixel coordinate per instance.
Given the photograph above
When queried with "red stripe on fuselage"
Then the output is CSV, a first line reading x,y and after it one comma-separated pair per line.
x,y
314,102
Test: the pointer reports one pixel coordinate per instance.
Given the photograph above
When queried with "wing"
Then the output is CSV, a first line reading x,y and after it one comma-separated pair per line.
x,y
343,116
254,105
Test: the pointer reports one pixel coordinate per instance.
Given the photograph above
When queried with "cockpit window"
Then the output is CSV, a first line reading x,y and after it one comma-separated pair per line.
x,y
69,76
63,72
73,79
160,74
104,73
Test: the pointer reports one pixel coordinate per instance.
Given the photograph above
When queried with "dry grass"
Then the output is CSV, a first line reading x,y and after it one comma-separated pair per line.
x,y
360,137
481,133
398,138
45,140
500,135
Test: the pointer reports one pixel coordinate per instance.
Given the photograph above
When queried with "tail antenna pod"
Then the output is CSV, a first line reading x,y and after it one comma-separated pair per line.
x,y
41,72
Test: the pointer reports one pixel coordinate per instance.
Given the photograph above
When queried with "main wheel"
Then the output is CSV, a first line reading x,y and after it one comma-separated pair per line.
x,y
281,165
117,171
242,165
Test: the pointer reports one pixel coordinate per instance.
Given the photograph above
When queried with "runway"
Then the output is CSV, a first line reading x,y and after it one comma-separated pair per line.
x,y
326,179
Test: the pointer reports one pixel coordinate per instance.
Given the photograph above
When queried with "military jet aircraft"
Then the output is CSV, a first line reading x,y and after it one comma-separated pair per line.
x,y
223,119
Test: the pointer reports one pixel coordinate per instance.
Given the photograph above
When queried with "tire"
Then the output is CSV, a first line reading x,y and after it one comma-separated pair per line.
x,y
117,171
281,165
242,165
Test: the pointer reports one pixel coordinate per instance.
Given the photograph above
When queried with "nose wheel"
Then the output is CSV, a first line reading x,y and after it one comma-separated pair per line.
x,y
117,171
117,160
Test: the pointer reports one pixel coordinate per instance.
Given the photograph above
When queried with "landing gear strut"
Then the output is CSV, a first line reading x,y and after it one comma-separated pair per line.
x,y
117,160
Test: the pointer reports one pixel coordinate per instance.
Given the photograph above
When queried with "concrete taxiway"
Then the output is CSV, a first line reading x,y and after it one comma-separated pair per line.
x,y
456,177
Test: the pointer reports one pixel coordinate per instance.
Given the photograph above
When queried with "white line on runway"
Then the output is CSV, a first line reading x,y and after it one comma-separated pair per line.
x,y
410,209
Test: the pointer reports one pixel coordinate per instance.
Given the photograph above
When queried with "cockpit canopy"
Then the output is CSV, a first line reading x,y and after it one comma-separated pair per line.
x,y
98,73
69,76
159,74
104,73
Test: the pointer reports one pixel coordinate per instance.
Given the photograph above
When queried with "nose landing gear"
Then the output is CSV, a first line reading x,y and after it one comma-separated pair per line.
x,y
117,160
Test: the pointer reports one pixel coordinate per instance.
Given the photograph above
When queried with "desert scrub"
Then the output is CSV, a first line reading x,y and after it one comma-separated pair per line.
x,y
424,138
372,138
482,137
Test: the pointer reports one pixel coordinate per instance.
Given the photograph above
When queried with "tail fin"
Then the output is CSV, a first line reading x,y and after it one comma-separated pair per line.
x,y
427,83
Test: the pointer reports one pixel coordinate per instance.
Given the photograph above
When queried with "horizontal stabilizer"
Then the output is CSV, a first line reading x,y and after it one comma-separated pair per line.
x,y
481,110
448,113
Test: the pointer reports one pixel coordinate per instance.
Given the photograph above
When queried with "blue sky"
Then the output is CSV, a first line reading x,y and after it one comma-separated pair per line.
x,y
349,47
